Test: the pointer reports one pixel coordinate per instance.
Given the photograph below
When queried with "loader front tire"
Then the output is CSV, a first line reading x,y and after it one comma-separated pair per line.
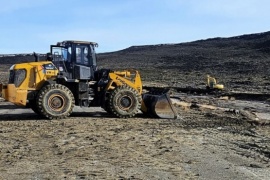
x,y
124,102
55,101
106,105
33,105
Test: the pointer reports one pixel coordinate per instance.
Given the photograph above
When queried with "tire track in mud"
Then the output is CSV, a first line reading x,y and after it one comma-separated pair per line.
x,y
226,127
227,137
231,124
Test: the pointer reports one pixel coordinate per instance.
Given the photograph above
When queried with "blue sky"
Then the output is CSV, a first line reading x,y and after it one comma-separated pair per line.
x,y
33,25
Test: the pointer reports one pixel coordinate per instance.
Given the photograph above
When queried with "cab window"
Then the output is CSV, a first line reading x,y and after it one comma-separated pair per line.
x,y
82,55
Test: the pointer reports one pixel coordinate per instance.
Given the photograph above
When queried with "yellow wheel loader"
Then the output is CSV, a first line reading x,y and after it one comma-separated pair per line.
x,y
69,77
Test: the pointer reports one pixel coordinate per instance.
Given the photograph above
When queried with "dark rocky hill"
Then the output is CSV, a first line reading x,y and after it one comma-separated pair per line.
x,y
18,58
239,62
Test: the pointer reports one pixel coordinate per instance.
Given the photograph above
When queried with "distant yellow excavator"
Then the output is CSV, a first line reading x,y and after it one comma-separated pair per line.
x,y
212,84
69,77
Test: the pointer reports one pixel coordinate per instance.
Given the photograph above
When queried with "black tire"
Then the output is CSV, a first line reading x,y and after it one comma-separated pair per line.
x,y
55,101
33,105
106,103
124,102
106,107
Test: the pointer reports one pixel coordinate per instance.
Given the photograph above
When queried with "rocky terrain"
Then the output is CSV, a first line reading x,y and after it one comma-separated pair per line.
x,y
216,136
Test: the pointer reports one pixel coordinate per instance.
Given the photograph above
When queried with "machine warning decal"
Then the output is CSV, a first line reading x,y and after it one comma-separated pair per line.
x,y
49,67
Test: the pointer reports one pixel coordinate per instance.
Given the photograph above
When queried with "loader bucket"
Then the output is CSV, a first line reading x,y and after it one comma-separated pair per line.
x,y
157,103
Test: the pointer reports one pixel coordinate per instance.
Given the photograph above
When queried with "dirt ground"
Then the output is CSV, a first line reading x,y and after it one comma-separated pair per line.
x,y
213,138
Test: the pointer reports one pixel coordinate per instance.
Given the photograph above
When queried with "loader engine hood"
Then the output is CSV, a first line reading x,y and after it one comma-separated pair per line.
x,y
27,77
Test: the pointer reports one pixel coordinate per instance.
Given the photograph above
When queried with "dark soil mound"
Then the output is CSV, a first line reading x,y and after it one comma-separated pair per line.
x,y
238,62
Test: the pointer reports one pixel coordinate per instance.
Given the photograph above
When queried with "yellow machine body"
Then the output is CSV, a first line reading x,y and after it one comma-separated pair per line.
x,y
212,83
131,78
26,77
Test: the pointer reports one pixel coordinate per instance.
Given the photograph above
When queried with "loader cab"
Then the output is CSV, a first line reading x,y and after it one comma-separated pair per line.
x,y
75,59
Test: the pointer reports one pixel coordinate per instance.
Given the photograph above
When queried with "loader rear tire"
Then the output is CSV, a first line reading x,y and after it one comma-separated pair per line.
x,y
124,102
55,101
